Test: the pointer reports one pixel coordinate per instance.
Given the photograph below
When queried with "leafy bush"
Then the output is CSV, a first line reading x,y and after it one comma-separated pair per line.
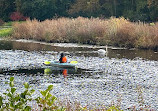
x,y
47,101
8,23
13,101
19,102
6,32
16,101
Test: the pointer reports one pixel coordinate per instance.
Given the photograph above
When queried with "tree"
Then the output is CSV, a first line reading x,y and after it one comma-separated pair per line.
x,y
153,9
6,7
95,8
143,10
85,8
45,9
18,4
39,9
63,6
110,7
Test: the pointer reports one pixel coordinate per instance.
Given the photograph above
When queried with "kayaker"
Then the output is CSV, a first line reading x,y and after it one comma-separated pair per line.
x,y
63,58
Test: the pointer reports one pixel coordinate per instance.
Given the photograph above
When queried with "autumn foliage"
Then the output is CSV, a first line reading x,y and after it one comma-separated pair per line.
x,y
17,16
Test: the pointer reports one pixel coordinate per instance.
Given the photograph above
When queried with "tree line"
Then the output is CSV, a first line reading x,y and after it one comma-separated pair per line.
x,y
134,10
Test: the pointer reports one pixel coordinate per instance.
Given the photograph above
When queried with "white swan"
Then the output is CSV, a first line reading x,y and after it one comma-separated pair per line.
x,y
102,51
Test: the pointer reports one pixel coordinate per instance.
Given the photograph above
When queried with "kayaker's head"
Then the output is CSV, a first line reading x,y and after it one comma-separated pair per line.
x,y
62,55
63,58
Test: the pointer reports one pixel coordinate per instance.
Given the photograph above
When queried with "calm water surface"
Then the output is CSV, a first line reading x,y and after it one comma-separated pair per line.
x,y
98,79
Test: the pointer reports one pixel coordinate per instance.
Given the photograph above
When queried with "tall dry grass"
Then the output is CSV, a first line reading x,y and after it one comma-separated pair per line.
x,y
113,31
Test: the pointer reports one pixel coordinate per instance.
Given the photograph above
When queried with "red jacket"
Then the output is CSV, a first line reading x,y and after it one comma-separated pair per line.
x,y
64,59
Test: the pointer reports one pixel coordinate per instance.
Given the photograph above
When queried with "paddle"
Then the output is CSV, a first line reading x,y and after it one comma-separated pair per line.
x,y
73,62
47,63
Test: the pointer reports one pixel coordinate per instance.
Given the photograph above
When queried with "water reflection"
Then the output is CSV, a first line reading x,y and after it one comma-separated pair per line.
x,y
146,54
64,72
5,45
80,51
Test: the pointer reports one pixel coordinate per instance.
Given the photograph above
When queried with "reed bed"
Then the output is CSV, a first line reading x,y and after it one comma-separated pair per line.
x,y
114,31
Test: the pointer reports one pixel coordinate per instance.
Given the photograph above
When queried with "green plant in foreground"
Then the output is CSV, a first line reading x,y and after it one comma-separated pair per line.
x,y
46,103
16,101
5,32
19,102
113,108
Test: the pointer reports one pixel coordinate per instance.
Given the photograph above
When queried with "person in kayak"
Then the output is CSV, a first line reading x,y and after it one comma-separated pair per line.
x,y
63,58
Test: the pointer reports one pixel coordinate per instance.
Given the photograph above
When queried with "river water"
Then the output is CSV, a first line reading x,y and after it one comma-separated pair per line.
x,y
128,77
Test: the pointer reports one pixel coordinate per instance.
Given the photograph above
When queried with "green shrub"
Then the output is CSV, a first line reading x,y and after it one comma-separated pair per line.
x,y
5,32
19,102
16,101
8,24
47,102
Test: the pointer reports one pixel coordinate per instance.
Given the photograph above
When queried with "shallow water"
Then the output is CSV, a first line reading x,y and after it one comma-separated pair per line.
x,y
99,80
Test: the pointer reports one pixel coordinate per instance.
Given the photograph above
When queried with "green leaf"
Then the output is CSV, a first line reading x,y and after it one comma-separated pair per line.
x,y
50,103
9,95
37,99
8,90
27,108
14,99
53,99
43,93
22,95
5,94
6,82
26,85
11,104
29,99
113,108
48,96
11,84
1,101
13,90
19,104
25,92
32,91
22,100
50,87
61,109
11,79
17,98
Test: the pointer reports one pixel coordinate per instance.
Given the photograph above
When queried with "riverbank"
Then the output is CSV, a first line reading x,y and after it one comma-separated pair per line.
x,y
117,32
